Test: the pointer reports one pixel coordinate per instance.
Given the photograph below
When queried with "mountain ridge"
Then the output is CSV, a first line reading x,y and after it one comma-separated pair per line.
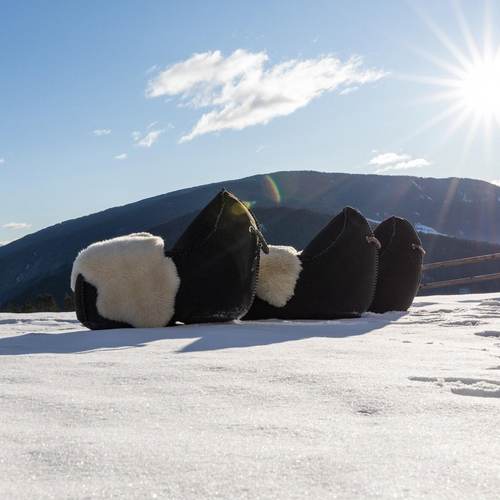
x,y
222,184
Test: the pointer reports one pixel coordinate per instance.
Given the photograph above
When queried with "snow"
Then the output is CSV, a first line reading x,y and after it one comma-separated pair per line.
x,y
392,406
422,228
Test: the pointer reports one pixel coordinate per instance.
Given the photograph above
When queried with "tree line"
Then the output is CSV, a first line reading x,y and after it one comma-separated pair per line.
x,y
41,303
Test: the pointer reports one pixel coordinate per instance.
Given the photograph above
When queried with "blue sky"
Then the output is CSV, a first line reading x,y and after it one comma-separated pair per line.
x,y
103,103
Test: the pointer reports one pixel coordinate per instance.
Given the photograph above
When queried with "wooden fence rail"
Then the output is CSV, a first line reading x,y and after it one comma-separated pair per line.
x,y
460,262
460,281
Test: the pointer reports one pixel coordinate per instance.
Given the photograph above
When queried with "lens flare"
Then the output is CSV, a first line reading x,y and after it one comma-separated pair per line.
x,y
273,189
249,203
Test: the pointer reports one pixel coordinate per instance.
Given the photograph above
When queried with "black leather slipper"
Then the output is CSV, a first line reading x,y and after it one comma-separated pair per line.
x,y
209,274
333,277
400,265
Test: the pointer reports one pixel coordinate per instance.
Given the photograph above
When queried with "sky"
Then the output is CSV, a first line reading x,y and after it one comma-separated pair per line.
x,y
105,103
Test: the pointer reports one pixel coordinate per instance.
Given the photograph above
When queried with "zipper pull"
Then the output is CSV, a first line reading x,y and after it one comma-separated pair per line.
x,y
374,241
420,248
263,243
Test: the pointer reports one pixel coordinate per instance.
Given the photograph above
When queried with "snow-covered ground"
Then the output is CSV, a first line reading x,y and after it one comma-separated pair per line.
x,y
392,406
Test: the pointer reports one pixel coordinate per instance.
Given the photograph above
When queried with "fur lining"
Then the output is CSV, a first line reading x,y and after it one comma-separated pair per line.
x,y
135,282
278,275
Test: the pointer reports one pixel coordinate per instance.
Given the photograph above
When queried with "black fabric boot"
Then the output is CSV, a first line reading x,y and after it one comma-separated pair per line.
x,y
400,265
333,277
209,274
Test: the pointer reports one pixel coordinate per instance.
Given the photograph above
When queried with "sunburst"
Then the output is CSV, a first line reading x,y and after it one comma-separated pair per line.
x,y
468,86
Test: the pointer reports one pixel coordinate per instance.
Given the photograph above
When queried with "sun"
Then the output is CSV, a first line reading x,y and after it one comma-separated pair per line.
x,y
468,83
479,90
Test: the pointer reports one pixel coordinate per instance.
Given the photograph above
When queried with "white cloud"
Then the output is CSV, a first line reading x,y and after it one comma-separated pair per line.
x,y
101,131
2,160
405,165
387,158
396,161
122,156
16,225
260,148
242,92
348,90
148,139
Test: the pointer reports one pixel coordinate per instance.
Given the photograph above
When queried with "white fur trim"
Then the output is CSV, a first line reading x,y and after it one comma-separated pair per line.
x,y
136,283
278,274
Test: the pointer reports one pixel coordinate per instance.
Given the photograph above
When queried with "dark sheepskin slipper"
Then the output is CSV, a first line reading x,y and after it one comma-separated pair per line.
x,y
209,274
333,277
400,265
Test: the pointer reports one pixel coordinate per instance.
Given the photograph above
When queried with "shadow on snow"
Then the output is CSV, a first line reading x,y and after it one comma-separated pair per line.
x,y
207,337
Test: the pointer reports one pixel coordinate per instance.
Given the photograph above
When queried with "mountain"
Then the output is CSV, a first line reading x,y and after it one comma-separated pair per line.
x,y
284,201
